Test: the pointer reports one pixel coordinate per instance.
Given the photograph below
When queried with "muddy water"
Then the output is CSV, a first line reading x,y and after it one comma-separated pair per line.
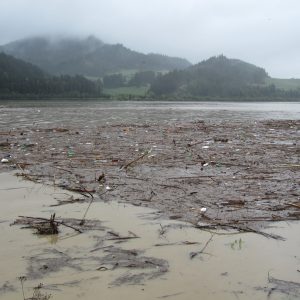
x,y
97,113
232,266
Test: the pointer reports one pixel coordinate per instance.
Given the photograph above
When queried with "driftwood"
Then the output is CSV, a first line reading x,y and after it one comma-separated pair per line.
x,y
194,254
87,209
170,296
233,169
117,236
186,243
294,205
71,200
240,228
79,190
288,288
43,225
135,160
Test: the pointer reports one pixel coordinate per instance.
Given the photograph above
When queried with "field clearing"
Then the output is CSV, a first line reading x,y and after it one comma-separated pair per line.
x,y
130,90
284,84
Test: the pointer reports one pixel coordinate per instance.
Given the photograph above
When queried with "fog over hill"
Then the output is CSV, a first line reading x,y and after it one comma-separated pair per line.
x,y
87,56
261,32
54,61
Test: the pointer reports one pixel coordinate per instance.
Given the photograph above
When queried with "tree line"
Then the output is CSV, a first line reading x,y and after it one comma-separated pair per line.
x,y
21,78
142,78
218,77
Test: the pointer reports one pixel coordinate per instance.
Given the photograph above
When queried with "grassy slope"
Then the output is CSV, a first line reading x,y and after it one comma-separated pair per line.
x,y
284,84
131,90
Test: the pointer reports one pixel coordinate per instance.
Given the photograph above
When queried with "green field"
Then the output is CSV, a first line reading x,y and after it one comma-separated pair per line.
x,y
128,74
128,90
284,84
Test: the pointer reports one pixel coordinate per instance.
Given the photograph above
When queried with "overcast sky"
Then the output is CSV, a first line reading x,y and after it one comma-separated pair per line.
x,y
263,32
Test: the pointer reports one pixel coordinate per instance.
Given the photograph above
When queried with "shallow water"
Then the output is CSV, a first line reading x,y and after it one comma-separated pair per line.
x,y
233,266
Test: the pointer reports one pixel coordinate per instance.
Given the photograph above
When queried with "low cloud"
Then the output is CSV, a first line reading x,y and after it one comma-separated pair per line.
x,y
262,32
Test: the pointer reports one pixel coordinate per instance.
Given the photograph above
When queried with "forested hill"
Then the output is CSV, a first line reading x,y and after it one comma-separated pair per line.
x,y
16,69
20,79
88,57
219,77
220,69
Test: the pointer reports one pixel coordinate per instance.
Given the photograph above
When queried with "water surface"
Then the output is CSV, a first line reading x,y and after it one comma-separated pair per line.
x,y
233,266
23,113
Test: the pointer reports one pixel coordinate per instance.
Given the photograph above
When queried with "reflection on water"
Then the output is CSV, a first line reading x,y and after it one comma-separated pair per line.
x,y
93,113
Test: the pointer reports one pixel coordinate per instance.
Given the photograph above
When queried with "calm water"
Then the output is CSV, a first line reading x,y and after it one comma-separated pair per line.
x,y
233,266
22,113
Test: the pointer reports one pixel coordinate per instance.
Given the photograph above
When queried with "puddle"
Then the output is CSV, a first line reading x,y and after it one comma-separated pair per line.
x,y
232,266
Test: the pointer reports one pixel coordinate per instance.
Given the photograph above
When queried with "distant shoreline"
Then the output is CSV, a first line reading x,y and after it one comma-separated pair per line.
x,y
138,99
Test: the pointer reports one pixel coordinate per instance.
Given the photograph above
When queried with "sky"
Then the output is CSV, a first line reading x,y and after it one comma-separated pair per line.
x,y
262,32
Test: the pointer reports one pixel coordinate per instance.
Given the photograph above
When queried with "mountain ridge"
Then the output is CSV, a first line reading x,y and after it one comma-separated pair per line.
x,y
215,77
219,76
88,56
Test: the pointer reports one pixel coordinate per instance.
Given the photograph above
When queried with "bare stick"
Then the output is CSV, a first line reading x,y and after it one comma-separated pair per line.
x,y
22,279
66,225
242,229
44,220
194,254
92,200
294,205
135,160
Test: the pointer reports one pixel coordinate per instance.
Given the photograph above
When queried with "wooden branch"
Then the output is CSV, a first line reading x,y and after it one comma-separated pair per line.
x,y
241,229
135,160
194,254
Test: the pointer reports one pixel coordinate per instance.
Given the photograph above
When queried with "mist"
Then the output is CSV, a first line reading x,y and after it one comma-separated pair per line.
x,y
264,33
